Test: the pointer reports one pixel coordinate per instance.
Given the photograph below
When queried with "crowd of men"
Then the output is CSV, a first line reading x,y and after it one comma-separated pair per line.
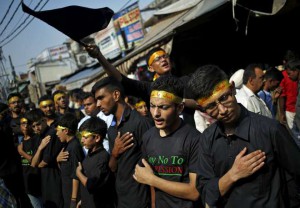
x,y
112,152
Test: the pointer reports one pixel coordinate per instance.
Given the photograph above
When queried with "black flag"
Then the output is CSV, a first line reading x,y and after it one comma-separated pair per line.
x,y
74,21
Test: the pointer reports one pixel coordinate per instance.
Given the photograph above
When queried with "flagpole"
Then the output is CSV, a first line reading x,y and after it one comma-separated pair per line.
x,y
82,43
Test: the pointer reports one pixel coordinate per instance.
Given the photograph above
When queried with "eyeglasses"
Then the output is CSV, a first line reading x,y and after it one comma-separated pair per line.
x,y
223,100
159,58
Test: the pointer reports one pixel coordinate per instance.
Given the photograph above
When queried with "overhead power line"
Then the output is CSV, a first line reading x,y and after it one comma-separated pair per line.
x,y
7,12
11,18
20,25
22,28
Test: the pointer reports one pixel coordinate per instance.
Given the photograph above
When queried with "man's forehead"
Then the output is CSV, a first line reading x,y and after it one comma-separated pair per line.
x,y
160,101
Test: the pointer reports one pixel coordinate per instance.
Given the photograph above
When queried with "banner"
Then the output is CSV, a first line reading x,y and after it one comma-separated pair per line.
x,y
128,24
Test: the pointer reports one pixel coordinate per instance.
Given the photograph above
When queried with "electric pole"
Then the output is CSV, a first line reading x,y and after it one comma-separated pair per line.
x,y
13,72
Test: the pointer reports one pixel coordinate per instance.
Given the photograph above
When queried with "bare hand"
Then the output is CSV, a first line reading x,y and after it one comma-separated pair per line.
x,y
276,93
44,142
122,144
282,118
246,165
79,168
143,174
62,156
93,50
78,204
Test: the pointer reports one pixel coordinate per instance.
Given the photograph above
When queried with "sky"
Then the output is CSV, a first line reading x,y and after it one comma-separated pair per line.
x,y
38,35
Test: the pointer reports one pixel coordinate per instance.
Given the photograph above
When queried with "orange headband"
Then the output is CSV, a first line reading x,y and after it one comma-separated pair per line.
x,y
13,99
57,96
166,95
139,104
46,102
154,56
220,88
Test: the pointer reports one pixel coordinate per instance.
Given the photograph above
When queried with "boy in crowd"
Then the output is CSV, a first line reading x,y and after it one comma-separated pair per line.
x,y
97,182
68,158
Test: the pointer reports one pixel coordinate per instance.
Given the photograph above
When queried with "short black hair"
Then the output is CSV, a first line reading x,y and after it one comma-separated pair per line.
x,y
94,125
110,83
86,95
204,80
45,97
14,94
170,84
153,50
34,115
250,72
273,73
69,121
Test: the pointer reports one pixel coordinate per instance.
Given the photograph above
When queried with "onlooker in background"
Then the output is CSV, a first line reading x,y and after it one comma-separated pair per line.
x,y
253,80
61,101
91,109
288,98
15,104
293,71
271,90
237,78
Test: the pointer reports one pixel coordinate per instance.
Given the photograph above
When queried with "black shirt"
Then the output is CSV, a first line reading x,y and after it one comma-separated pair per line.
x,y
99,190
50,174
68,168
172,158
32,176
218,152
131,194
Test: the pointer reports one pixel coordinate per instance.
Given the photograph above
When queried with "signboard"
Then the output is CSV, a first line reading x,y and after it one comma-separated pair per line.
x,y
59,52
128,24
107,41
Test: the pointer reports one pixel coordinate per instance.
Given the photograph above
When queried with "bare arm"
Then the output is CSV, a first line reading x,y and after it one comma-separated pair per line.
x,y
242,167
188,191
35,162
75,187
121,145
281,101
94,52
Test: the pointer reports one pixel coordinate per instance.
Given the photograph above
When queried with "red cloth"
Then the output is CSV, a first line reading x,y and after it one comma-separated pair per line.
x,y
290,91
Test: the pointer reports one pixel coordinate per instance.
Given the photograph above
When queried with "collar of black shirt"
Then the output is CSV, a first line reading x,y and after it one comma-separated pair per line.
x,y
242,128
124,117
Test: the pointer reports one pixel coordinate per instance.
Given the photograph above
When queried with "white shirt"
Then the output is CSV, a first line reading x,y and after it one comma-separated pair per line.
x,y
252,102
107,120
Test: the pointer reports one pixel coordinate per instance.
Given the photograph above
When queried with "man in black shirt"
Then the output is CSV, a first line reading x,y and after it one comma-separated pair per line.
x,y
243,154
125,140
169,149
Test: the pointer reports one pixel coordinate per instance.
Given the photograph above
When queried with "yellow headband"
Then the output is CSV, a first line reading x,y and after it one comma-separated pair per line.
x,y
155,55
86,133
61,127
220,88
13,99
166,95
57,96
139,104
46,102
23,120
